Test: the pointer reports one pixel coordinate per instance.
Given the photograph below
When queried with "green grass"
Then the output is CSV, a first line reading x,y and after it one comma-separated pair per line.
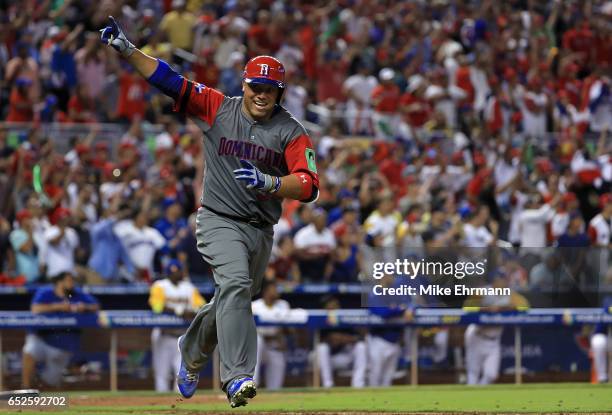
x,y
497,398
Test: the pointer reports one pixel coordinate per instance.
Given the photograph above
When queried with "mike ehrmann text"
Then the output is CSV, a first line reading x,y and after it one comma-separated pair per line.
x,y
433,289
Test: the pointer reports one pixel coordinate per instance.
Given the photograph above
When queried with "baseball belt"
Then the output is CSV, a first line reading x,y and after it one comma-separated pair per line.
x,y
257,223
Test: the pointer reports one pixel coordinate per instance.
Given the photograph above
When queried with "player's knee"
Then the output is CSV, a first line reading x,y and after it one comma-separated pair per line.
x,y
360,348
323,349
598,342
236,291
33,347
490,374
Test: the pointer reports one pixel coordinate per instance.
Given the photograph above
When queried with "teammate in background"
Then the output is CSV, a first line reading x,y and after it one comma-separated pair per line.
x,y
54,347
178,296
600,233
600,346
341,349
483,343
384,348
600,227
271,341
256,155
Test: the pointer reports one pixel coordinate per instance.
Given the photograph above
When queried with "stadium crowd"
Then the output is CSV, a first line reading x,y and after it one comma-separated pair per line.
x,y
462,123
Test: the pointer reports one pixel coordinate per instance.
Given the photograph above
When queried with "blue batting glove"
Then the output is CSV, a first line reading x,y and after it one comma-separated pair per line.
x,y
112,35
255,179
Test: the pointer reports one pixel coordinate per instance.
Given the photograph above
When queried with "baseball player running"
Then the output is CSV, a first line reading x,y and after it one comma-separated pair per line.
x,y
256,155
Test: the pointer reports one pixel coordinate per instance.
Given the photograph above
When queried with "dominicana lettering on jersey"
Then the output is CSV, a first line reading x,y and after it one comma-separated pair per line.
x,y
250,151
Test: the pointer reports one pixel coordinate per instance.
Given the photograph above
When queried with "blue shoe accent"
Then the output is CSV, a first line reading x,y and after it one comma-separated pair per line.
x,y
240,390
187,380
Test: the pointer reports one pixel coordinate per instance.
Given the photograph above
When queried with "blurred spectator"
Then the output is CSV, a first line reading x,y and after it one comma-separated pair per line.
x,y
283,265
60,243
54,348
561,218
550,275
444,97
108,254
533,102
385,99
533,221
230,79
132,96
157,48
63,65
141,242
382,226
332,67
173,227
92,65
358,89
81,108
178,25
20,103
26,248
414,107
296,97
22,66
575,236
271,341
475,231
314,244
600,227
261,36
346,259
228,48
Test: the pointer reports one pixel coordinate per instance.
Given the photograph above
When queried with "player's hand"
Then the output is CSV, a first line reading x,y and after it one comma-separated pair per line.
x,y
112,35
63,306
78,308
255,179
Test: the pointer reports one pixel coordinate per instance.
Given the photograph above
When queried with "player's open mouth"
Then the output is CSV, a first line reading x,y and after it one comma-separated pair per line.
x,y
259,104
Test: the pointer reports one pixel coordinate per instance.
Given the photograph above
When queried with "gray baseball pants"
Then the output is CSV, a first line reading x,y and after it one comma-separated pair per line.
x,y
238,254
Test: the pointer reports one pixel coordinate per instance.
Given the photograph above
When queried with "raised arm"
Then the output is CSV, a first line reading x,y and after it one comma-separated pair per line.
x,y
113,36
144,64
203,104
157,72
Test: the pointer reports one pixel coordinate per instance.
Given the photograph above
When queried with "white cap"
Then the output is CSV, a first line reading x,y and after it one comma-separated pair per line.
x,y
53,31
386,74
236,57
414,82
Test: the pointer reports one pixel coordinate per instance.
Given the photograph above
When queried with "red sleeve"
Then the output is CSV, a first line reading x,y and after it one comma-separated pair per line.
x,y
567,39
199,100
592,232
300,158
376,92
73,103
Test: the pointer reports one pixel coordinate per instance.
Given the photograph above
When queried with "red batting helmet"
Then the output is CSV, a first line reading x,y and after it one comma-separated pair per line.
x,y
264,70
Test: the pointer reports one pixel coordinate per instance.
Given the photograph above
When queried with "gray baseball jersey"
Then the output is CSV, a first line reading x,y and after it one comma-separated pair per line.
x,y
279,146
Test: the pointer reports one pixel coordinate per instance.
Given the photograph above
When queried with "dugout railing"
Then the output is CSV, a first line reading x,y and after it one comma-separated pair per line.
x,y
313,320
